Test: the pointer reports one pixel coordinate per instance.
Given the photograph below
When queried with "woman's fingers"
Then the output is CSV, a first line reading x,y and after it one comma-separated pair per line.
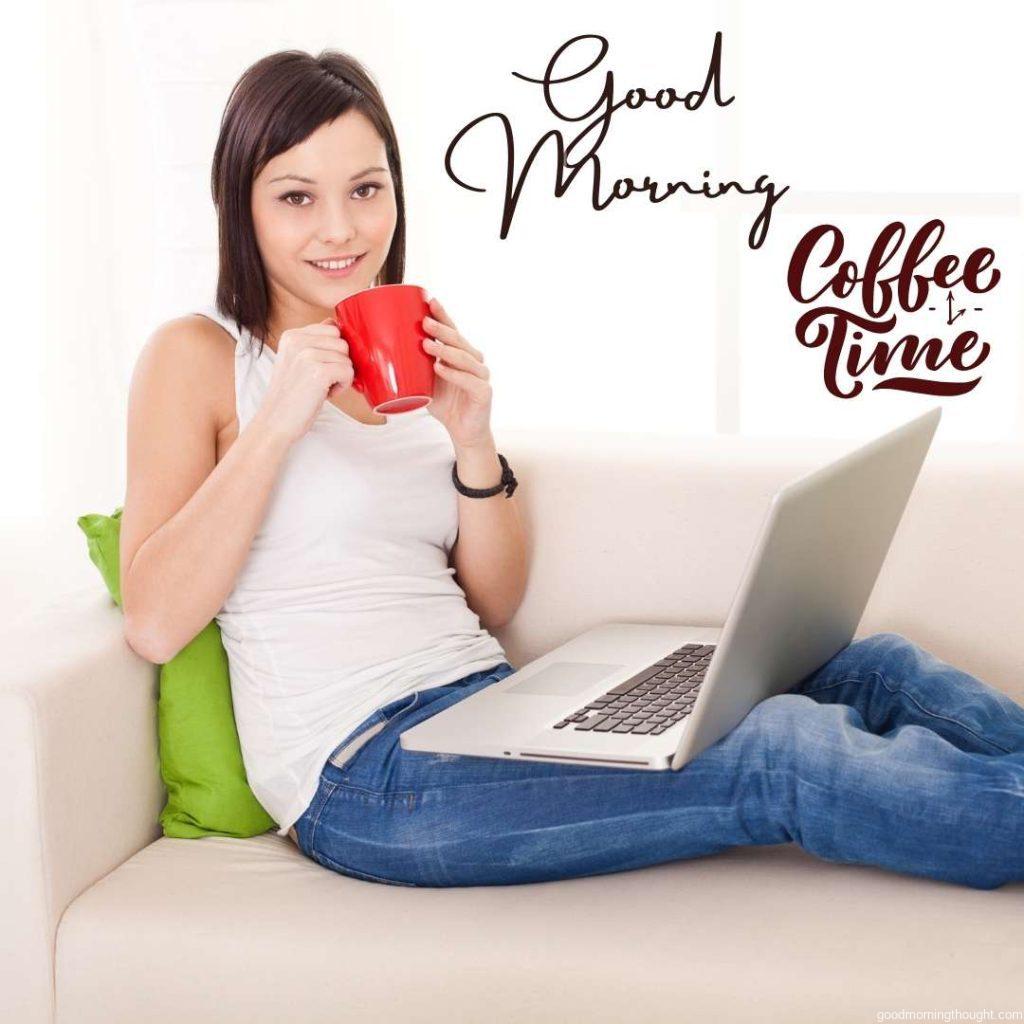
x,y
448,333
457,357
472,383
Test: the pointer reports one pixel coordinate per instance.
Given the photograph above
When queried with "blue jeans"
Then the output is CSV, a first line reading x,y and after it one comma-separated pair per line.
x,y
884,755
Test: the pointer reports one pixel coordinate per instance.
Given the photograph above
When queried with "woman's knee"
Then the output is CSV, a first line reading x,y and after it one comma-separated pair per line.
x,y
792,731
885,640
780,710
893,657
881,643
775,722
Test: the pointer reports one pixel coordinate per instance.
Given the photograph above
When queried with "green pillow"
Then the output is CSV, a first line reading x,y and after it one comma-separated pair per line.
x,y
200,756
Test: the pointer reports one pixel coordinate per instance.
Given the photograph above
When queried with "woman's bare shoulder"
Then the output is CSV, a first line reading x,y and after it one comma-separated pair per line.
x,y
200,353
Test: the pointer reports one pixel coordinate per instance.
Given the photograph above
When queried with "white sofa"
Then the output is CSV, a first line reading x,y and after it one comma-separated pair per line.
x,y
105,920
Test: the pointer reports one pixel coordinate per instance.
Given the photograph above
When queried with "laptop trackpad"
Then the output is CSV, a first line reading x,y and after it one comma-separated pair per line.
x,y
562,678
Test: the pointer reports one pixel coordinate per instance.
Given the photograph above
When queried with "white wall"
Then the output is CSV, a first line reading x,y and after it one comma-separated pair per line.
x,y
870,112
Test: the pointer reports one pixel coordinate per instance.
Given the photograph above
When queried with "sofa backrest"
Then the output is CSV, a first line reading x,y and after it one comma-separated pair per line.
x,y
647,528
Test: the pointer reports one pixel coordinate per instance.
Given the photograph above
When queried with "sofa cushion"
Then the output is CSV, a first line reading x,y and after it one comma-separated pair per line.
x,y
252,931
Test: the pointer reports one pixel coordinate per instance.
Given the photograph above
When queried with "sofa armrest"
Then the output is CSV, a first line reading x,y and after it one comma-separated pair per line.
x,y
80,767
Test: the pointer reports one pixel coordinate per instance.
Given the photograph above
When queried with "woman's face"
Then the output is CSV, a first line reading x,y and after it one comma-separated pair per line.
x,y
346,207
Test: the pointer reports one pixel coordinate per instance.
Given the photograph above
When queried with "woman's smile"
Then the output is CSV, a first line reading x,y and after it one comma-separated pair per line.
x,y
341,269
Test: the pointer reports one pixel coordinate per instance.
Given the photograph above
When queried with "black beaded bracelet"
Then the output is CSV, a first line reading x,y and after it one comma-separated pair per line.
x,y
508,482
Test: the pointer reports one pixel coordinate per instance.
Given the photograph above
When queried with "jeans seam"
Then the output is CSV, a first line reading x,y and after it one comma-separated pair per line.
x,y
839,682
316,820
943,718
407,797
885,681
357,873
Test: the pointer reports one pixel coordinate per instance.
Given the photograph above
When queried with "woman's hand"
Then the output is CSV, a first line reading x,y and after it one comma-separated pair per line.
x,y
311,362
462,392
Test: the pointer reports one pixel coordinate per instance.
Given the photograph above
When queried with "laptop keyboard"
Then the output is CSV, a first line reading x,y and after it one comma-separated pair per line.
x,y
651,701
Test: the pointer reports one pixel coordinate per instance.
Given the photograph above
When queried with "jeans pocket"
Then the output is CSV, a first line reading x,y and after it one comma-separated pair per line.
x,y
339,756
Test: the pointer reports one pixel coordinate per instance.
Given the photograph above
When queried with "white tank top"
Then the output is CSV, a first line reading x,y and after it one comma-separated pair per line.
x,y
346,600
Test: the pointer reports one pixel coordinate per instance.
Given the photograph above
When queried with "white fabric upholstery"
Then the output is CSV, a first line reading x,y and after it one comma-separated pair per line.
x,y
249,931
121,924
80,769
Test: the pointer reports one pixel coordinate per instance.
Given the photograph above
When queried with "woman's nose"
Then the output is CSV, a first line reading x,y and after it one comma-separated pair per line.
x,y
337,225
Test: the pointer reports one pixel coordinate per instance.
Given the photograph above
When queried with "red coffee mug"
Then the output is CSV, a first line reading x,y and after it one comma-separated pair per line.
x,y
384,330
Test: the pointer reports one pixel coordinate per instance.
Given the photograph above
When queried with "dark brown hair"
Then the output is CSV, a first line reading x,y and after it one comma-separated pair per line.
x,y
277,103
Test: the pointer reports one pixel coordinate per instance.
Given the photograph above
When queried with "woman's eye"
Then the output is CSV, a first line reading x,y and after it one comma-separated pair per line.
x,y
368,184
288,195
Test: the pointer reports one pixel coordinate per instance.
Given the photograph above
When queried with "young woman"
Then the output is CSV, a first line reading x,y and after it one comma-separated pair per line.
x,y
265,492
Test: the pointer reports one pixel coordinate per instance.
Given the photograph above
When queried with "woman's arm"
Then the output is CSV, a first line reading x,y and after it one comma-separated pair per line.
x,y
489,554
188,522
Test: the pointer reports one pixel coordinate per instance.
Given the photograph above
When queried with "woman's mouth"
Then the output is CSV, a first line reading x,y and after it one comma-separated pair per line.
x,y
336,268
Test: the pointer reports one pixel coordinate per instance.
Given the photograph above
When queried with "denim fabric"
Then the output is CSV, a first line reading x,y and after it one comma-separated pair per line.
x,y
885,755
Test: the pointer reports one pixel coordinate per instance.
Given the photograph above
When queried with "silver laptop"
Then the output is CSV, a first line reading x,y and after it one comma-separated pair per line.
x,y
654,696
